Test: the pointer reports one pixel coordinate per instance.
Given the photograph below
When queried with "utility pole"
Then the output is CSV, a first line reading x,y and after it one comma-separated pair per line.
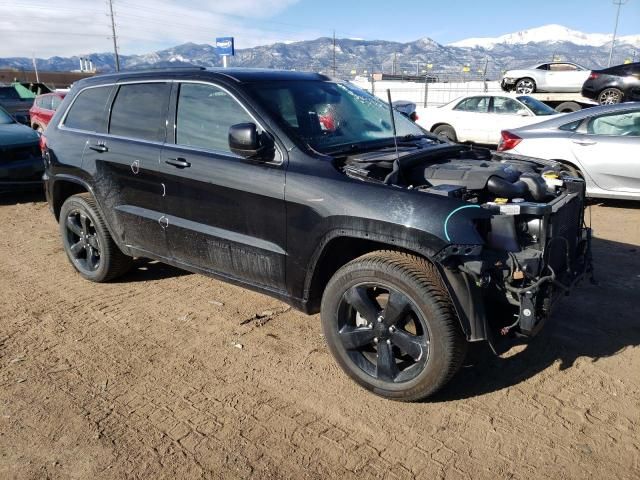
x,y
619,3
334,53
115,41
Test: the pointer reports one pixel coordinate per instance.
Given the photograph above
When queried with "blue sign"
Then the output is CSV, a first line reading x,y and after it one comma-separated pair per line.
x,y
224,46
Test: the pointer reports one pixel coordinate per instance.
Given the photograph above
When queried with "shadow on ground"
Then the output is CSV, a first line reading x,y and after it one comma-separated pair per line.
x,y
594,322
32,195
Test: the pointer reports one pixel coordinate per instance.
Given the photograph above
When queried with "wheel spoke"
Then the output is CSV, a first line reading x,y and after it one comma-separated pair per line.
x,y
412,345
353,338
93,241
397,307
76,249
72,224
386,368
92,258
84,221
358,298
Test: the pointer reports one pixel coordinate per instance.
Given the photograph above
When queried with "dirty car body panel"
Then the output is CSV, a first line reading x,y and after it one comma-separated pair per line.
x,y
283,223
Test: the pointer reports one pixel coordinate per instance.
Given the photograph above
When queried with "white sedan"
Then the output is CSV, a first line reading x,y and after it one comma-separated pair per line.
x,y
481,118
546,77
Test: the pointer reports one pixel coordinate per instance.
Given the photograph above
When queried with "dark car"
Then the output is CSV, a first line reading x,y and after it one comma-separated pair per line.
x,y
614,85
298,186
44,106
13,103
21,163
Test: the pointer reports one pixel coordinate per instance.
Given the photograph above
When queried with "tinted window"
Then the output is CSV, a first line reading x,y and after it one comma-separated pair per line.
x,y
571,127
87,110
204,116
473,104
140,111
623,124
537,106
506,106
544,67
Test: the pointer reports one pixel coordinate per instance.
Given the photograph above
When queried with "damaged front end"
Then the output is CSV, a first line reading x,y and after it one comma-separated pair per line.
x,y
528,212
535,251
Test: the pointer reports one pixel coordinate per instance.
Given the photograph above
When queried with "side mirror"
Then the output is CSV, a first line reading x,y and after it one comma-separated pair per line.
x,y
523,112
245,141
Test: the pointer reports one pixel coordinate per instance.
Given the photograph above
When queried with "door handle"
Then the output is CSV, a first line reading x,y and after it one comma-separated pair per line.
x,y
99,148
178,162
584,142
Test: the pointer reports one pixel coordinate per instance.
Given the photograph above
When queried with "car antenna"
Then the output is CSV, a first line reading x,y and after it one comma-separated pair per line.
x,y
393,125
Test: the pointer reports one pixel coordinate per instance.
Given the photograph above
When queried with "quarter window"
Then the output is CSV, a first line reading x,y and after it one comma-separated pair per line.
x,y
55,102
140,111
45,102
204,115
87,111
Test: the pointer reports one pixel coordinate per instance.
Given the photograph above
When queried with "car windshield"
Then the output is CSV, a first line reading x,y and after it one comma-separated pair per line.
x,y
5,118
536,106
331,116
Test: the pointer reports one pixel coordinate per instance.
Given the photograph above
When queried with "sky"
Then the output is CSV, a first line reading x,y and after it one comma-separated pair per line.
x,y
78,27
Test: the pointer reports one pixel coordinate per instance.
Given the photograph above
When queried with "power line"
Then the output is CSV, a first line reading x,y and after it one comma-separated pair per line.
x,y
619,3
115,38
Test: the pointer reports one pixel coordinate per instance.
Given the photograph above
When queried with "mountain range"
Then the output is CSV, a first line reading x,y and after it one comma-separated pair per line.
x,y
514,50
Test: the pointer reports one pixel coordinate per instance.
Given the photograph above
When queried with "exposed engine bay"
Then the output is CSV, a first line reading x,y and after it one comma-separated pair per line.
x,y
536,244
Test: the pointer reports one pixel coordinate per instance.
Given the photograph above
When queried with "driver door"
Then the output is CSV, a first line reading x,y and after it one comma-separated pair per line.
x,y
225,213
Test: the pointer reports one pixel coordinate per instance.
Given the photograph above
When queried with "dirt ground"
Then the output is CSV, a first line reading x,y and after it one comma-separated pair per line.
x,y
145,378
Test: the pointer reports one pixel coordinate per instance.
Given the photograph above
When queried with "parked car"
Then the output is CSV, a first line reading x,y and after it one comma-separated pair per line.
x,y
600,144
21,163
44,106
481,118
14,104
395,236
614,85
546,77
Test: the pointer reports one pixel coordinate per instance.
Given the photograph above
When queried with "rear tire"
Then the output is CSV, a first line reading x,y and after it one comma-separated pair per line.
x,y
610,96
391,326
525,86
446,131
87,241
568,107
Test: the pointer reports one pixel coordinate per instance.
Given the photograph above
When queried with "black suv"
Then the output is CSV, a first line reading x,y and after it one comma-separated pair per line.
x,y
303,188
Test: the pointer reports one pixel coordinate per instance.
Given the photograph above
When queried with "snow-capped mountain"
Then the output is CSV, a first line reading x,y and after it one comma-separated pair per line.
x,y
514,50
547,34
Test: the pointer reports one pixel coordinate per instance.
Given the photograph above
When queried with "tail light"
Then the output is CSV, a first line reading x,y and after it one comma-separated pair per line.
x,y
593,76
43,143
508,141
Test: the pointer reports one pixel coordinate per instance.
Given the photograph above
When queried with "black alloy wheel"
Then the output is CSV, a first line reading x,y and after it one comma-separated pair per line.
x,y
84,245
87,241
383,333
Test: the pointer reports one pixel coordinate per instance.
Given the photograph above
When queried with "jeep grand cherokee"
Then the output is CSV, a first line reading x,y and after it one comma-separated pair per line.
x,y
300,187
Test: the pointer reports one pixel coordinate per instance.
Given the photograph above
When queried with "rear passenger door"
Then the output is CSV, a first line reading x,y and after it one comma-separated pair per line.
x,y
125,163
226,214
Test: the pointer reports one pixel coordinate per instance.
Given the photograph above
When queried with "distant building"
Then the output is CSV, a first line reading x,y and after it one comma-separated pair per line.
x,y
52,79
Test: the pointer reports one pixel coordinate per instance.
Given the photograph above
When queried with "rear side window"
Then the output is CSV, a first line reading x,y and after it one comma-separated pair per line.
x,y
87,110
55,102
620,124
474,104
140,111
45,102
204,116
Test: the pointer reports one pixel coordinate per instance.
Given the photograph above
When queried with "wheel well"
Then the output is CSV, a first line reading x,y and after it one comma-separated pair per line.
x,y
335,254
569,164
62,190
441,124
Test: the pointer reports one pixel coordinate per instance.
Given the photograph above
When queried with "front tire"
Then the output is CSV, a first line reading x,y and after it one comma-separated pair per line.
x,y
525,86
610,96
391,326
87,241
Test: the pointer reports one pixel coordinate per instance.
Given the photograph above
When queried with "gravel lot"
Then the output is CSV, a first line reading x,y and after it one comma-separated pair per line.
x,y
145,378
